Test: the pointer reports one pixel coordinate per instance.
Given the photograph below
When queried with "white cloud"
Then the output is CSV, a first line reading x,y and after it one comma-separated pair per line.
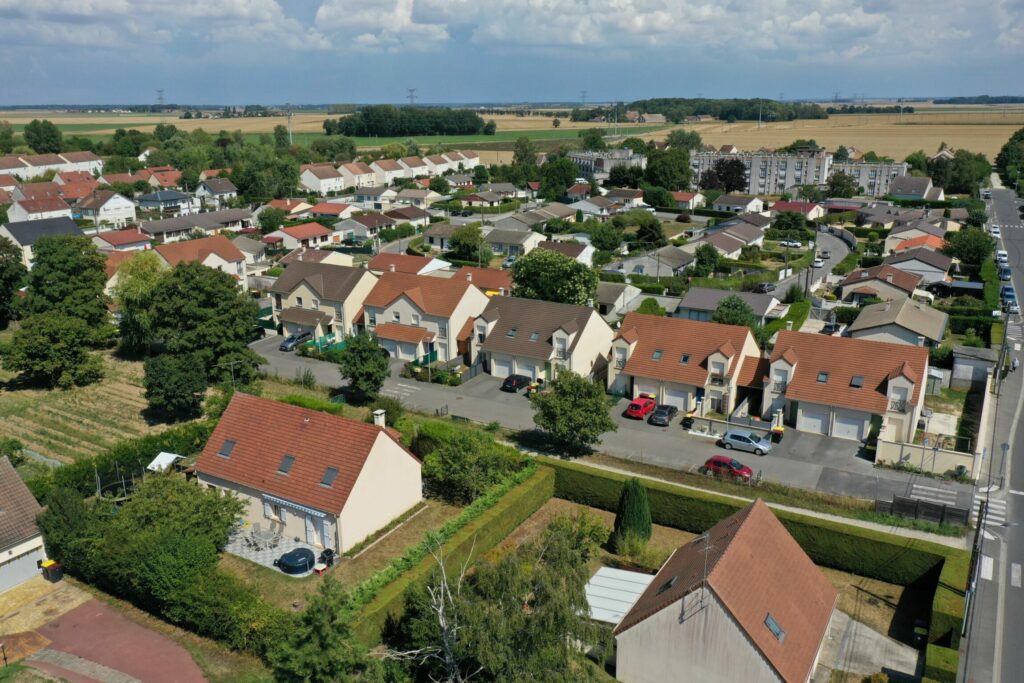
x,y
390,25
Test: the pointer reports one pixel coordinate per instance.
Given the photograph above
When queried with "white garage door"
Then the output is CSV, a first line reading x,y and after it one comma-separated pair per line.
x,y
526,368
813,419
20,569
501,368
677,396
407,351
646,386
849,425
391,346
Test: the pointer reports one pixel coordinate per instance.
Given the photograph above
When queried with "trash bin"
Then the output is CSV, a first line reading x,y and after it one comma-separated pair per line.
x,y
777,434
53,572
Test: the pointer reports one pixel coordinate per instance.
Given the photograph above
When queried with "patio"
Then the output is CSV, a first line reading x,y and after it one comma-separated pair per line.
x,y
239,545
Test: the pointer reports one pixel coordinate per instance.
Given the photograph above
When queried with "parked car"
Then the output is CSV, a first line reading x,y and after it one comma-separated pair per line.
x,y
1007,291
825,254
640,407
1004,274
508,262
466,214
792,244
1002,255
743,440
996,232
1012,307
831,328
292,341
817,263
726,466
663,415
514,383
764,288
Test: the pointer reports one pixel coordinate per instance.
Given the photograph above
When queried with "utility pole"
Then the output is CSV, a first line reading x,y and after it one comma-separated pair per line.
x,y
289,124
583,99
411,96
160,102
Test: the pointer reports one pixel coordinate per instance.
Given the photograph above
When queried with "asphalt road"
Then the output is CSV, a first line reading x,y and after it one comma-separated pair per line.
x,y
825,242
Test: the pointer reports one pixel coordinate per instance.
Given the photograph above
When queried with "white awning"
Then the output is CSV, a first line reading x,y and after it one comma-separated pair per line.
x,y
612,592
163,461
294,506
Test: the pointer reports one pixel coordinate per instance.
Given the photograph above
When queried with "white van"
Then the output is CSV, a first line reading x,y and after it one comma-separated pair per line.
x,y
1002,257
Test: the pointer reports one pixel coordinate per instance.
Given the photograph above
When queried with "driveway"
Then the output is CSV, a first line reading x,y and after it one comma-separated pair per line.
x,y
825,242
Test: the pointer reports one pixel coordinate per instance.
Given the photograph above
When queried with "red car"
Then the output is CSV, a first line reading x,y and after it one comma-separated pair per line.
x,y
728,467
640,406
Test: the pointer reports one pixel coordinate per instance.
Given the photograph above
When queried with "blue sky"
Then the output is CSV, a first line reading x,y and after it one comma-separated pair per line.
x,y
318,51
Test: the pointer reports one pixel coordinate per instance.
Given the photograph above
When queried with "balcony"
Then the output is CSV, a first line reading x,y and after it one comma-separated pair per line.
x,y
898,406
560,354
716,380
779,387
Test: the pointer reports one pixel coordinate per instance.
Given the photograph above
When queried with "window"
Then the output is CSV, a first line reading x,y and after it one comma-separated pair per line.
x,y
316,304
286,464
534,336
330,474
372,318
226,448
685,358
668,584
511,332
298,301
822,377
396,316
481,333
774,627
442,330
657,354
415,319
857,381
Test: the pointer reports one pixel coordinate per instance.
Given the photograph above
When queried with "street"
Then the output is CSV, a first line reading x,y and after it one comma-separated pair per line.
x,y
825,242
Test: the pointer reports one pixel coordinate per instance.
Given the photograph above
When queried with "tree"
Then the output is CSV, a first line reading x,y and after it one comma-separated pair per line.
x,y
976,217
365,365
841,184
467,244
658,197
68,277
463,467
709,180
43,137
165,131
574,412
669,169
481,175
732,174
842,154
524,153
175,385
632,517
685,139
970,245
556,177
439,185
198,310
490,128
52,350
137,277
556,122
605,236
271,219
649,233
592,139
811,193
6,137
705,260
787,221
281,137
336,148
732,310
12,275
626,176
551,276
650,306
918,161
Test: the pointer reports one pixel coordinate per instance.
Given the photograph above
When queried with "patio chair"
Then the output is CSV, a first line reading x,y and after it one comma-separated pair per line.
x,y
256,527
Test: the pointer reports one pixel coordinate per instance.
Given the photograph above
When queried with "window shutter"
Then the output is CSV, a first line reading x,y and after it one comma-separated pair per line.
x,y
284,515
268,510
309,530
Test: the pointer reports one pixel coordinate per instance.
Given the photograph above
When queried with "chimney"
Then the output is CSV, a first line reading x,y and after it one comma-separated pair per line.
x,y
469,277
378,417
789,325
920,340
391,267
590,303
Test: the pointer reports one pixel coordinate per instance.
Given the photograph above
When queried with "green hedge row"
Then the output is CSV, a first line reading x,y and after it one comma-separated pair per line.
x,y
940,664
470,541
712,213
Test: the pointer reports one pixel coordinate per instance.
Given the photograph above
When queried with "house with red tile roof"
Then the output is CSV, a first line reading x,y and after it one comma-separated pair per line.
x,y
405,263
808,210
213,252
38,209
490,281
121,240
842,386
309,235
106,207
930,242
293,208
21,543
578,192
743,602
168,179
883,281
214,173
327,480
114,261
334,211
8,182
693,365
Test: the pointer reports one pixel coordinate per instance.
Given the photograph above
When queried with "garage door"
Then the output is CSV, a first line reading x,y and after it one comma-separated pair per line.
x,y
646,386
526,368
20,569
849,425
813,419
407,351
677,396
501,368
391,346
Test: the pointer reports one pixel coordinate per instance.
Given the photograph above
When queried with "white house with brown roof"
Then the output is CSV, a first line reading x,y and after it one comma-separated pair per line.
x,y
900,322
414,316
357,174
38,209
742,602
215,252
437,164
577,251
883,281
695,366
121,240
739,203
309,235
414,166
21,543
388,170
688,200
106,207
417,197
320,298
842,387
216,192
321,178
327,480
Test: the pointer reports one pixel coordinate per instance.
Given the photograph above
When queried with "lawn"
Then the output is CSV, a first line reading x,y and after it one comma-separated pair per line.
x,y
291,593
967,406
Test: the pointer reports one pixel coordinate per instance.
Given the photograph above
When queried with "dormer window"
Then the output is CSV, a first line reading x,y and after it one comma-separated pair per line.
x,y
822,377
656,355
684,359
512,332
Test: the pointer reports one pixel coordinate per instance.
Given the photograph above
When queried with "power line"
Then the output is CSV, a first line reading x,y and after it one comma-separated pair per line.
x,y
411,96
160,102
583,98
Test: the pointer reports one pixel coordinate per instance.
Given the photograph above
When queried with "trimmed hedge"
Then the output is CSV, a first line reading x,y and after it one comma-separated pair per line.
x,y
712,213
941,664
469,542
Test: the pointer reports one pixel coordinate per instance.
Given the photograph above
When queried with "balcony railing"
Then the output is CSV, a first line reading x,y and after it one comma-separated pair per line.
x,y
560,354
898,406
780,387
620,363
716,380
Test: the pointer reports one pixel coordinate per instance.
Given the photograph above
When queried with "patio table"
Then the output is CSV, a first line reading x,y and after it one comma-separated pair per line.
x,y
263,537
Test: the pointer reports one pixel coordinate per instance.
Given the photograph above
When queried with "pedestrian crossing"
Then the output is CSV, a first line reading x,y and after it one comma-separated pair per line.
x,y
400,390
933,494
996,516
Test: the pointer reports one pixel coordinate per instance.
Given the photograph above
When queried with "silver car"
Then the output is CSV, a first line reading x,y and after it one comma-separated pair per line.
x,y
751,442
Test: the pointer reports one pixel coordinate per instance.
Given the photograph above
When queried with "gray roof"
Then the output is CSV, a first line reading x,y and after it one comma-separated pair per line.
x,y
25,233
18,508
755,219
910,185
609,292
303,316
909,314
163,196
665,259
739,200
328,281
707,299
219,185
487,196
529,316
976,352
499,187
920,225
440,230
209,220
249,246
373,191
507,236
744,231
932,258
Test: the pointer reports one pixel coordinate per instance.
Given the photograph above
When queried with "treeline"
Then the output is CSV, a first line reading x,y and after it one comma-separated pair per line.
x,y
385,120
869,109
982,99
966,173
676,109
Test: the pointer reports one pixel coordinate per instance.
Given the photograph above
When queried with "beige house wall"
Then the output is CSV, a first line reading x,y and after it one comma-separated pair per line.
x,y
349,307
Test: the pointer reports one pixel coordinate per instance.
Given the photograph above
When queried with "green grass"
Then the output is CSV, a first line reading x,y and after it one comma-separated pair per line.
x,y
797,314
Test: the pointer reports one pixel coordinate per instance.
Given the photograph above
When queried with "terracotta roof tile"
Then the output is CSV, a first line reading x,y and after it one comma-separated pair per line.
x,y
403,263
118,238
304,231
115,259
486,278
44,204
197,250
432,295
403,333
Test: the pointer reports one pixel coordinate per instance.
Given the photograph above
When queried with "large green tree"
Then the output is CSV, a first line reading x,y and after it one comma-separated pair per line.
x,y
685,139
669,169
365,365
592,139
12,275
175,385
841,184
732,174
271,218
732,310
467,244
551,276
137,278
574,412
43,136
524,153
970,245
605,236
52,350
705,260
556,176
464,466
633,515
68,277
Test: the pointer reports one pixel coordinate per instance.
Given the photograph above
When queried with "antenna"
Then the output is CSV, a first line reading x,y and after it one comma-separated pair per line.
x,y
411,96
160,102
702,582
782,97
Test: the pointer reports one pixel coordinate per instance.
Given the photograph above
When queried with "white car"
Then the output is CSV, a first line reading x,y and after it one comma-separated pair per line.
x,y
818,263
996,232
792,244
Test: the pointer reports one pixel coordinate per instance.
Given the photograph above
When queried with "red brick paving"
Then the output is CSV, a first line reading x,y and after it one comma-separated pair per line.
x,y
97,632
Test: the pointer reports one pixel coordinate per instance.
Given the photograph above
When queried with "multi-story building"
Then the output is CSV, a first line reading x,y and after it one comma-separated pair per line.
x,y
598,165
875,178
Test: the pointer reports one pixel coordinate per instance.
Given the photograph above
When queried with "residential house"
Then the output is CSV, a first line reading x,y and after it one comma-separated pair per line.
x,y
883,281
69,177
749,234
506,190
490,281
121,240
165,178
24,234
842,387
170,202
626,197
689,200
667,261
743,602
329,256
437,235
9,182
113,263
482,199
363,227
932,266
413,215
294,209
323,179
319,297
930,242
577,251
405,263
41,190
308,235
206,223
388,171
536,219
808,210
106,207
214,173
25,166
597,207
700,303
727,245
536,338
912,230
532,189
21,543
417,316
328,480
421,198
437,165
459,180
695,366
331,211
216,192
915,187
513,242
972,366
470,159
253,250
578,191
456,161
215,252
375,197
38,209
900,322
738,203
357,174
415,166
613,297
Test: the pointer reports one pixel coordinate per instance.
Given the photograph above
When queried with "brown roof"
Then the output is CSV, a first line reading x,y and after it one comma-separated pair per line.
x,y
322,171
197,250
409,213
329,281
753,371
901,279
683,196
755,568
127,178
844,358
76,189
304,231
79,157
72,176
570,249
45,204
372,220
388,165
40,190
303,316
329,208
519,320
432,295
264,431
115,259
403,333
486,278
403,263
97,199
677,338
414,162
119,238
7,180
42,159
357,168
18,508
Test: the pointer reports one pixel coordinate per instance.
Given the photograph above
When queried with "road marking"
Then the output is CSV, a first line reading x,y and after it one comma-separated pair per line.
x,y
1015,575
1016,347
996,514
987,536
986,567
1017,493
933,494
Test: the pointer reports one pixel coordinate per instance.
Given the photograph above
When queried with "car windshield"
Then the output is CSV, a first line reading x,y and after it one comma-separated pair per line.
x,y
735,464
